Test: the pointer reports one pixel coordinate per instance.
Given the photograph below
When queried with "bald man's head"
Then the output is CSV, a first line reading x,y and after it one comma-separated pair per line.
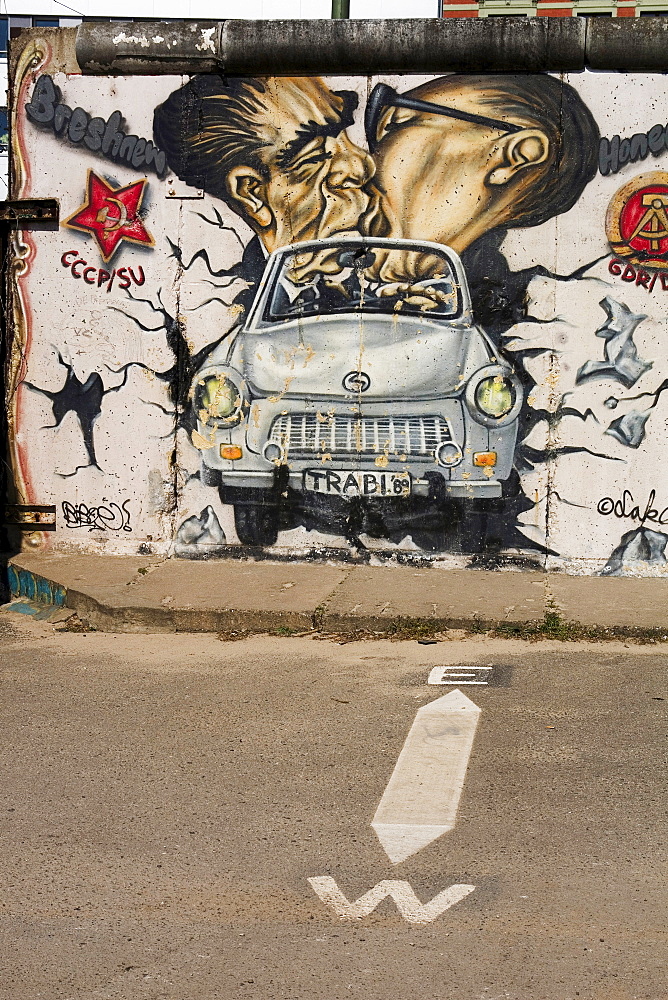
x,y
450,179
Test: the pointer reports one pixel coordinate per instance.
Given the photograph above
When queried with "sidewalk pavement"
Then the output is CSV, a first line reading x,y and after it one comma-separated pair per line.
x,y
150,594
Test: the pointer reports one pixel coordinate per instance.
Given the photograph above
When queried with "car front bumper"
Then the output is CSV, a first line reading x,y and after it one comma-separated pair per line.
x,y
465,480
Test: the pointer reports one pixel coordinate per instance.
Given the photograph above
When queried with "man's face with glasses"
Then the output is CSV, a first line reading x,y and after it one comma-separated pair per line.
x,y
448,171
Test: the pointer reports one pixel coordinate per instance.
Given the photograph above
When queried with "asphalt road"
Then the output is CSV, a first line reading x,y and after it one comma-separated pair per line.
x,y
164,800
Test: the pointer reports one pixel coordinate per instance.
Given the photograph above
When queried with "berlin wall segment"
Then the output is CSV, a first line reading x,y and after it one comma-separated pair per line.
x,y
417,316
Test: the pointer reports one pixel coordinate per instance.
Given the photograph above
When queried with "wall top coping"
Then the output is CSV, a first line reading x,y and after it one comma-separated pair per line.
x,y
347,47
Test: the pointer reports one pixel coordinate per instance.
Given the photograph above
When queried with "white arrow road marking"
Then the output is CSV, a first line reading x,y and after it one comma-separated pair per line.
x,y
421,799
409,906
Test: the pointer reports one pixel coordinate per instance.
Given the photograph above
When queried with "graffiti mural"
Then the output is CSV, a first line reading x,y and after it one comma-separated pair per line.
x,y
415,318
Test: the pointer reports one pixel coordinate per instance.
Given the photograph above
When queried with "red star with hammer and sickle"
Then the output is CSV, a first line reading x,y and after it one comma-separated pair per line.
x,y
111,215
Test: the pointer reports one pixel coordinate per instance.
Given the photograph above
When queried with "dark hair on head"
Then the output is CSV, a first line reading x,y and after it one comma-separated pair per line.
x,y
546,103
209,126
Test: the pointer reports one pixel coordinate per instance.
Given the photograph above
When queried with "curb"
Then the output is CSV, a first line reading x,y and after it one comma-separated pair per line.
x,y
129,618
33,587
338,601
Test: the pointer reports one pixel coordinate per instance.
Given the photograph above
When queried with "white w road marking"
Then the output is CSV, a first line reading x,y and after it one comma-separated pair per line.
x,y
409,906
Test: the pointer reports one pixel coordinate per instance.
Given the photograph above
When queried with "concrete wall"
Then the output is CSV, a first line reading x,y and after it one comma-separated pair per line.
x,y
497,402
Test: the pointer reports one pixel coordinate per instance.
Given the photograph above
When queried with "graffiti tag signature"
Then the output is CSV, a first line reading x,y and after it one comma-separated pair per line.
x,y
106,517
627,508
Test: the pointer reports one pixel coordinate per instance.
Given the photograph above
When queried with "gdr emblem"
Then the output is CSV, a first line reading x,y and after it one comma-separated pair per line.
x,y
636,223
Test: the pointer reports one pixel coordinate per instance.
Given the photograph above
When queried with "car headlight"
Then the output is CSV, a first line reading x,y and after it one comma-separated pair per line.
x,y
218,399
495,395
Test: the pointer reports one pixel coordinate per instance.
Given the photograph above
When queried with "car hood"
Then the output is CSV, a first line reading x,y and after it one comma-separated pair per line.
x,y
402,357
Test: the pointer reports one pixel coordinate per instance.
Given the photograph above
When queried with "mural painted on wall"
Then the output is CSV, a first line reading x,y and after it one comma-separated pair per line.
x,y
410,318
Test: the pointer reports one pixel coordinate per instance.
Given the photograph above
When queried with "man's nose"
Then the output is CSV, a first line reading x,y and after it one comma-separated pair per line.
x,y
349,165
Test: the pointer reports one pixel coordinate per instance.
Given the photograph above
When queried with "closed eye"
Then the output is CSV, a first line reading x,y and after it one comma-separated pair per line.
x,y
316,158
313,154
394,120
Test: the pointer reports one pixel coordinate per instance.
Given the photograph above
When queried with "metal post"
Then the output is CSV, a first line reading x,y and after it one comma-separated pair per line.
x,y
15,516
340,8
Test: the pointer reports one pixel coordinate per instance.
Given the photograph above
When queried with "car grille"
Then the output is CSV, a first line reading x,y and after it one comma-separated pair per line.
x,y
304,434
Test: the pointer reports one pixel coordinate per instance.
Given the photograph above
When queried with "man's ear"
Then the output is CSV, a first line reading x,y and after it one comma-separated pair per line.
x,y
246,186
522,149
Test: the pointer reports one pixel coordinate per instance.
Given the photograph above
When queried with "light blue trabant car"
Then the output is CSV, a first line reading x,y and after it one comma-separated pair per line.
x,y
359,372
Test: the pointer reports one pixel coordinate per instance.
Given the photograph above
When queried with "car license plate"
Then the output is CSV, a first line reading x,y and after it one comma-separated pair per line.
x,y
346,483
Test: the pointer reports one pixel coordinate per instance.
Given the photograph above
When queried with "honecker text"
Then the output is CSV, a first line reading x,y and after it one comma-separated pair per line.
x,y
615,153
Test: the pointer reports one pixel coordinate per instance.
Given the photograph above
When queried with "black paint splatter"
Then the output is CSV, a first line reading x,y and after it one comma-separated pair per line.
x,y
179,377
84,399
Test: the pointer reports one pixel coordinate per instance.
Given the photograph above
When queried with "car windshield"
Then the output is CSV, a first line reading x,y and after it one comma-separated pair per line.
x,y
364,278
